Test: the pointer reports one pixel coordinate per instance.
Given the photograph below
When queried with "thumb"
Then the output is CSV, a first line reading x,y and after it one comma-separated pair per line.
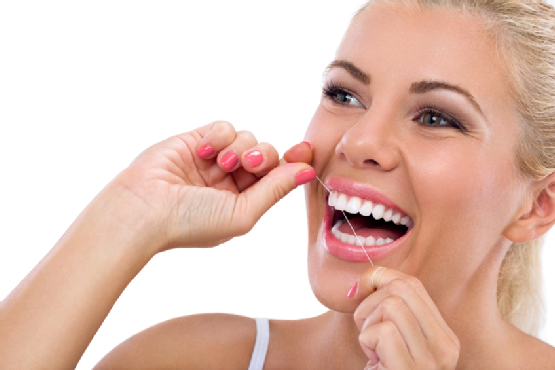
x,y
279,182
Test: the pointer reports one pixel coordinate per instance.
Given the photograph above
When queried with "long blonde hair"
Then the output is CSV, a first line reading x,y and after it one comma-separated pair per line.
x,y
525,35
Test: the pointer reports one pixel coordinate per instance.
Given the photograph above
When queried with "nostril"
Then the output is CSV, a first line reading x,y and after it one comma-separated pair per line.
x,y
370,161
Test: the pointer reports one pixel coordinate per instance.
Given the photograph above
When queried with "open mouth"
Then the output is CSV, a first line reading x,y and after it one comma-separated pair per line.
x,y
375,224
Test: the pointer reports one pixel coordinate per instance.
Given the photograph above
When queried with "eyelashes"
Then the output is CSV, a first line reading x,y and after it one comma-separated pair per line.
x,y
428,116
431,116
340,95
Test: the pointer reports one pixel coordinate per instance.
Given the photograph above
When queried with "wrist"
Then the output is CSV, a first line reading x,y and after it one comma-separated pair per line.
x,y
118,219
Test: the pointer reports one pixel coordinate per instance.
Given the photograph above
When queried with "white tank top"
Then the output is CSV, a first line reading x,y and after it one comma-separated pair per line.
x,y
261,345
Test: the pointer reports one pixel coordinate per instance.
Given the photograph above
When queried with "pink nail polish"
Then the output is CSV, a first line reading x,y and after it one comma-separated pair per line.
x,y
229,161
255,158
305,176
353,290
307,143
205,151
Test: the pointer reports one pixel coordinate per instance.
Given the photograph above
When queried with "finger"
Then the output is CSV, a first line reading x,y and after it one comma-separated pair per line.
x,y
229,158
257,199
385,340
243,179
394,309
301,152
260,159
214,137
388,282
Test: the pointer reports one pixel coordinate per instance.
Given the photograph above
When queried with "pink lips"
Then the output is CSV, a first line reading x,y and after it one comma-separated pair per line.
x,y
349,252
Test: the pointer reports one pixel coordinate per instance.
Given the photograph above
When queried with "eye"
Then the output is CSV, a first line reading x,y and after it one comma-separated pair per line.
x,y
432,117
340,95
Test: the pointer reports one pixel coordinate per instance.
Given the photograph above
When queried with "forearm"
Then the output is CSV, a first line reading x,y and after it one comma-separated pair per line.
x,y
49,319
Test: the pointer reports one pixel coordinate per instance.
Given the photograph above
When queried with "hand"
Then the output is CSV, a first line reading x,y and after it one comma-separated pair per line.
x,y
209,185
400,326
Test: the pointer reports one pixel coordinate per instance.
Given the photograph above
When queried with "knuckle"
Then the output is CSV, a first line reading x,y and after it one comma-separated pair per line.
x,y
415,284
358,315
398,286
390,305
388,330
268,148
224,128
248,136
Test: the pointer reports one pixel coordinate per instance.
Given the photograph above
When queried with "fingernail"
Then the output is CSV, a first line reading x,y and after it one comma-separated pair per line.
x,y
229,161
205,151
353,290
305,176
255,158
307,143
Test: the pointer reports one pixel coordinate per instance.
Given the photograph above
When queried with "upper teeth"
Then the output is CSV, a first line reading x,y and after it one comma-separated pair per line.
x,y
354,205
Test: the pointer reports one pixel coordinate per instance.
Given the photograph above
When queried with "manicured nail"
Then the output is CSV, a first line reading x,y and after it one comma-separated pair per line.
x,y
255,158
205,151
353,290
305,176
229,161
307,143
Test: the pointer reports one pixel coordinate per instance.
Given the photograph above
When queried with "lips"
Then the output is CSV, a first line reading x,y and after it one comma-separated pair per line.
x,y
376,226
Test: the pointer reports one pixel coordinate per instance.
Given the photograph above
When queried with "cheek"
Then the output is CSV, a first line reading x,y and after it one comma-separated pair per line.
x,y
324,135
463,193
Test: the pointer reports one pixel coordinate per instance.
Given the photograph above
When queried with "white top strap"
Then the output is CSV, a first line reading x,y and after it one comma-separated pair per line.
x,y
261,345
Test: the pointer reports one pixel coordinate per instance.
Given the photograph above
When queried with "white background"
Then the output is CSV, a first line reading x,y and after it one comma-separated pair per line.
x,y
86,86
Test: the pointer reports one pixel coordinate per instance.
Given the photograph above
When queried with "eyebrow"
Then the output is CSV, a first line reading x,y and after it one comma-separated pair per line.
x,y
425,86
416,88
353,70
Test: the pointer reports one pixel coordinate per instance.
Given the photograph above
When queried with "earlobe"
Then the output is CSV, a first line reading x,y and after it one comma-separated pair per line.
x,y
538,214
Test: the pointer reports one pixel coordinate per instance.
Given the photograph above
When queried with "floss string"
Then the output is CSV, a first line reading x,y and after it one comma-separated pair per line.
x,y
352,228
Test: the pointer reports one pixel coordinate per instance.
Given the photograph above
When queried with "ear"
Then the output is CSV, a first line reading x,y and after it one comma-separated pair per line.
x,y
537,215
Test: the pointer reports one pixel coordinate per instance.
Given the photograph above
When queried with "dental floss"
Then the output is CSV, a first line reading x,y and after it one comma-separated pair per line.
x,y
365,252
344,215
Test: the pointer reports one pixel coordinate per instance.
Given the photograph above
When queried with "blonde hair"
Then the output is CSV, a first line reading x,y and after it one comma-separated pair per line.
x,y
524,31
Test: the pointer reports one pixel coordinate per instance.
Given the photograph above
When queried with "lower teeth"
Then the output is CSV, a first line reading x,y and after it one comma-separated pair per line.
x,y
351,239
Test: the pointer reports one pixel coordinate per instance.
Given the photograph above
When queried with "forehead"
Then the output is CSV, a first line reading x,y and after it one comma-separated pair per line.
x,y
400,45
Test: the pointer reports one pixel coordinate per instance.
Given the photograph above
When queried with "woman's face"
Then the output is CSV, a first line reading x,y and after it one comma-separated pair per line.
x,y
416,117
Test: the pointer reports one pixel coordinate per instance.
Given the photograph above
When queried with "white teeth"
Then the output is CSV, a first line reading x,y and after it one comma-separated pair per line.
x,y
332,199
388,215
366,209
378,211
341,202
344,237
396,218
353,206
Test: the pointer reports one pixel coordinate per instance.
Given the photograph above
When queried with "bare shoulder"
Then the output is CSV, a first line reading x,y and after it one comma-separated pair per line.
x,y
208,341
543,354
528,352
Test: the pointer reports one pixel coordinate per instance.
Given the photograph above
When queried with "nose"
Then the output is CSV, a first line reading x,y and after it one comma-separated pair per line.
x,y
371,142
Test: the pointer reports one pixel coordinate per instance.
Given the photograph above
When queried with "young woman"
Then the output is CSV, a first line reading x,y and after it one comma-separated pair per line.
x,y
435,136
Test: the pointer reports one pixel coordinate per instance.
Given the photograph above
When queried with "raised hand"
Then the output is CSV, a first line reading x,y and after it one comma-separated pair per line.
x,y
400,326
211,184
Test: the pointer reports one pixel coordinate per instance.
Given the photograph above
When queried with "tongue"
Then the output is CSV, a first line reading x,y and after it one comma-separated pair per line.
x,y
365,227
